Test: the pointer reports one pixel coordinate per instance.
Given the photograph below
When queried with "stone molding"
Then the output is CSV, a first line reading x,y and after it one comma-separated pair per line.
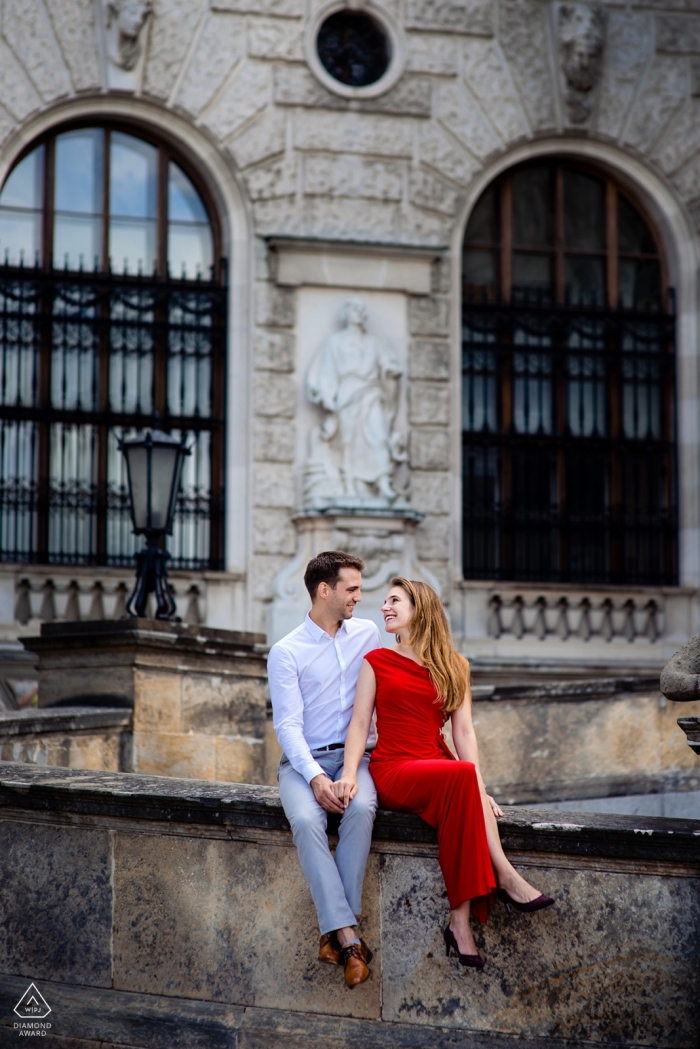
x,y
339,264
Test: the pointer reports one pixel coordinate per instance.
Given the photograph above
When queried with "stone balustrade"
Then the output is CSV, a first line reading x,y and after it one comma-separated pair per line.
x,y
566,616
154,913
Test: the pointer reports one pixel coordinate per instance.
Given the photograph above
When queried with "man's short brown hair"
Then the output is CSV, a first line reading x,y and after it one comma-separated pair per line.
x,y
325,568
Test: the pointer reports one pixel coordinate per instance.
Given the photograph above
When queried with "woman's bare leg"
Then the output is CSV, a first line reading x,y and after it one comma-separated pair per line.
x,y
459,923
506,874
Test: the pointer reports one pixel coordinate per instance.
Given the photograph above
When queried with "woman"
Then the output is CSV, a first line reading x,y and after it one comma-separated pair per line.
x,y
416,687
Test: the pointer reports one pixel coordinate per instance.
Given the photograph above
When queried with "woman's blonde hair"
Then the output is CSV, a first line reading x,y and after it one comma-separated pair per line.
x,y
431,640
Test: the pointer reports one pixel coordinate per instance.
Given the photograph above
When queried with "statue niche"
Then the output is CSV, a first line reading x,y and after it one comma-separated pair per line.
x,y
354,450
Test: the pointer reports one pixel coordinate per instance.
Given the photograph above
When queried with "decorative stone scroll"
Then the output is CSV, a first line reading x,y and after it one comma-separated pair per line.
x,y
581,32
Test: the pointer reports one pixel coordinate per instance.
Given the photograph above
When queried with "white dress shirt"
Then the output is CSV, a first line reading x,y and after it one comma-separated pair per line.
x,y
313,678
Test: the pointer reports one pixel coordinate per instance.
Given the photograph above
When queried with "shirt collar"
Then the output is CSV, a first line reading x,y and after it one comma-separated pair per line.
x,y
318,632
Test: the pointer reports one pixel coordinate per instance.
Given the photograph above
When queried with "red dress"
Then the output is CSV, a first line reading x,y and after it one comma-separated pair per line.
x,y
415,771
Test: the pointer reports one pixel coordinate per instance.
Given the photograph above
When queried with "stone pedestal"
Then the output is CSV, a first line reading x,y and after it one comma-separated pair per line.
x,y
680,681
197,694
385,540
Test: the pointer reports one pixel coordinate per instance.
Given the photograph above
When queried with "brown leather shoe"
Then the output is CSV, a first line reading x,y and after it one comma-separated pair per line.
x,y
354,957
329,949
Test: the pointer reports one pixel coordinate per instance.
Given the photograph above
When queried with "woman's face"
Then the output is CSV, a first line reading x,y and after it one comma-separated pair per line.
x,y
398,611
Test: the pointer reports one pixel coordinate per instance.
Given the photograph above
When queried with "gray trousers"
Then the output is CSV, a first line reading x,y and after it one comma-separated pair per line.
x,y
335,882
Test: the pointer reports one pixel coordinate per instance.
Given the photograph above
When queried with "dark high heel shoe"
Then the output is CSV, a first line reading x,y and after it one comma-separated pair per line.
x,y
527,908
472,961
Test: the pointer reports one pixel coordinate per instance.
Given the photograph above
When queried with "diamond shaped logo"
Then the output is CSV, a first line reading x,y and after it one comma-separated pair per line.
x,y
32,1005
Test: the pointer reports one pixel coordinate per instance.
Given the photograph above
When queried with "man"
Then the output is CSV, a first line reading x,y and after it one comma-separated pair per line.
x,y
313,676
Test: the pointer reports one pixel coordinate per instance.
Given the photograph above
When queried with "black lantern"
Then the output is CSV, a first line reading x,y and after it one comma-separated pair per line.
x,y
154,467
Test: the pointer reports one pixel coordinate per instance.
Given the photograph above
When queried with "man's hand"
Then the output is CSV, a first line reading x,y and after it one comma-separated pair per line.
x,y
345,789
322,787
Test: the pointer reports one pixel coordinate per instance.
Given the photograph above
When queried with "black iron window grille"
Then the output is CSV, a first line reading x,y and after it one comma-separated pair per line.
x,y
85,359
568,371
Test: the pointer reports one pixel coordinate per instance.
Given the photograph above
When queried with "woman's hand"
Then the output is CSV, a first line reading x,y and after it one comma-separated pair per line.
x,y
345,789
495,808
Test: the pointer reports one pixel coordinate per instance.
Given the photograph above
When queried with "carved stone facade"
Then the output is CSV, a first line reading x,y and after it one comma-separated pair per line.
x,y
323,198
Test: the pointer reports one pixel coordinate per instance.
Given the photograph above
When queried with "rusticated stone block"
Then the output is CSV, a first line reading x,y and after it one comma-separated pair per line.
x,y
273,532
629,51
351,176
273,485
429,359
170,36
273,440
157,701
244,95
429,403
30,34
429,449
665,88
17,92
489,80
221,44
428,315
522,33
433,539
224,705
455,16
190,756
56,903
427,191
274,394
430,491
278,178
74,26
273,38
596,989
677,33
281,8
460,113
432,53
240,760
274,351
264,138
184,926
274,306
444,154
356,133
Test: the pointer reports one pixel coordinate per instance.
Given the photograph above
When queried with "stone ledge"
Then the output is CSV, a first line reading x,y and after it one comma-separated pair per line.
x,y
129,1019
594,688
62,719
159,798
150,633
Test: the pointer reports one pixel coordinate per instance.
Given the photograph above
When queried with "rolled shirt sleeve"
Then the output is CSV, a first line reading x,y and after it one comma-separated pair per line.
x,y
288,713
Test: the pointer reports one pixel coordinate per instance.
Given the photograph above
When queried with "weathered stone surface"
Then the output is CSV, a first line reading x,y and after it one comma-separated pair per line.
x,y
274,351
97,750
628,53
277,178
355,133
174,23
273,532
442,152
74,26
273,485
274,306
429,403
157,701
681,139
431,491
428,316
16,90
489,80
56,903
455,16
273,440
29,33
264,138
429,449
429,359
240,760
265,571
274,394
432,53
190,756
184,926
327,218
523,35
281,8
680,678
433,539
352,176
427,191
272,38
220,46
665,88
245,94
460,113
224,705
679,34
597,993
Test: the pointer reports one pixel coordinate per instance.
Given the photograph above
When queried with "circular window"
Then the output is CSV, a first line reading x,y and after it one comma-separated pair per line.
x,y
353,48
356,52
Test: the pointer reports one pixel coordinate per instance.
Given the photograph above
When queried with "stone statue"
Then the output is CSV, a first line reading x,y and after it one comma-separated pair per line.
x,y
129,16
581,38
354,378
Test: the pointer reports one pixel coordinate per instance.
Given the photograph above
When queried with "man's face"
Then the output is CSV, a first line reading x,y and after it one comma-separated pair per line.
x,y
346,593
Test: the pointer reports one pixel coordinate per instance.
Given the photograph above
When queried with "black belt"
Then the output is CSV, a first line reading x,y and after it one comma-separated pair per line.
x,y
331,746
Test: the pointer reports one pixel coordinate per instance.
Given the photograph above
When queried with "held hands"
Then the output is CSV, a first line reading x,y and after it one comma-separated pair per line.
x,y
324,792
345,789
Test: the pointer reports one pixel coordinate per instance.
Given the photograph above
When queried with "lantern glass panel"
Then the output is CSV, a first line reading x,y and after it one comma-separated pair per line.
x,y
164,477
137,458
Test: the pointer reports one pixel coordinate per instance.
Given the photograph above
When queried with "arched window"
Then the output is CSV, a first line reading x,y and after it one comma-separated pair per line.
x,y
568,384
112,318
